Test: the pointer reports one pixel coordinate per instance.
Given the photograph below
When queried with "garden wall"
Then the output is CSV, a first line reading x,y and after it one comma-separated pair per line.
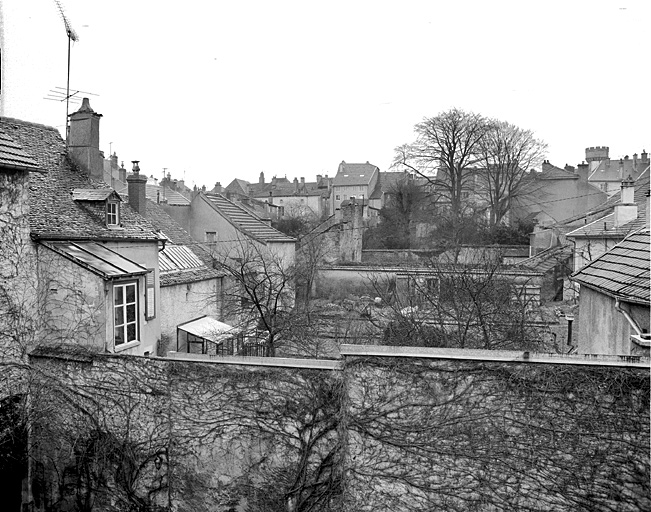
x,y
383,429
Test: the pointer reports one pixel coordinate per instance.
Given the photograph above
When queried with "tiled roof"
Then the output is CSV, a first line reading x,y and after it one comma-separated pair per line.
x,y
551,172
183,260
53,213
245,221
12,155
92,194
354,174
622,272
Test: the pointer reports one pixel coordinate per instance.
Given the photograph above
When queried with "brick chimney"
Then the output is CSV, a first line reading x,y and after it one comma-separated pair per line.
x,y
137,189
626,209
83,141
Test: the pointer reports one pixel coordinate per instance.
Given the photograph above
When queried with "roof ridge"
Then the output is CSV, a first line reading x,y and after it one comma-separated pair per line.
x,y
28,123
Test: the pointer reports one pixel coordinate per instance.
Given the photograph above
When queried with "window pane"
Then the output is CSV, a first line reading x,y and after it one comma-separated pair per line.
x,y
119,316
131,332
118,293
131,293
119,335
131,313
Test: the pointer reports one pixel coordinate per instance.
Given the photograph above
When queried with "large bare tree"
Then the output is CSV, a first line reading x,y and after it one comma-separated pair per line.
x,y
508,154
447,152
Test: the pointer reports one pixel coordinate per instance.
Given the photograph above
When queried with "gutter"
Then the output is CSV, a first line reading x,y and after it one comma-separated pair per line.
x,y
640,338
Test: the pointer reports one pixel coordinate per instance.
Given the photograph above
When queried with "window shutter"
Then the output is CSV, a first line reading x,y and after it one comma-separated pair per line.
x,y
150,305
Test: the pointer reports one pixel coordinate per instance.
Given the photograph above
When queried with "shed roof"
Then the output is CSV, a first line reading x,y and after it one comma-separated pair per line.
x,y
208,328
622,272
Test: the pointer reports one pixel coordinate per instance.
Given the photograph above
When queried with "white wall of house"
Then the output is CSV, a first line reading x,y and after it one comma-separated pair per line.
x,y
603,329
183,302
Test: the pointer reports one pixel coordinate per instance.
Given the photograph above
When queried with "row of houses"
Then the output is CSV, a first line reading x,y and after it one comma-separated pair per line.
x,y
110,266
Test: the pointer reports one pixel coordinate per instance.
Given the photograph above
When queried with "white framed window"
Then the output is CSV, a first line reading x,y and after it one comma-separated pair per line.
x,y
112,213
125,312
211,237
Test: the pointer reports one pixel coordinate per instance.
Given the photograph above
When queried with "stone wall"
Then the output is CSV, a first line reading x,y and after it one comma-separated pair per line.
x,y
412,430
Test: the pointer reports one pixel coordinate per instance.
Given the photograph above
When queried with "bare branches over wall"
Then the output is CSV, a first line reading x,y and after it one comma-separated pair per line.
x,y
485,436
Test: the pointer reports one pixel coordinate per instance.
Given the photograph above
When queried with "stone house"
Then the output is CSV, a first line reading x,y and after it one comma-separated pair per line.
x,y
354,181
614,299
95,259
295,198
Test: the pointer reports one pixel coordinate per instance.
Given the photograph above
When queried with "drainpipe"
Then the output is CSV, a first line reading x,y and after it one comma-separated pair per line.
x,y
628,317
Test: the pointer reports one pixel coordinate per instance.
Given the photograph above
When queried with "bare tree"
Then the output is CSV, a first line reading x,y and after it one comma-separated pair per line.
x,y
454,305
259,292
447,152
508,154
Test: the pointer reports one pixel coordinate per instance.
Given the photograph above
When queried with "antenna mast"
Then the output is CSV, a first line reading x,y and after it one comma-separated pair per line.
x,y
72,36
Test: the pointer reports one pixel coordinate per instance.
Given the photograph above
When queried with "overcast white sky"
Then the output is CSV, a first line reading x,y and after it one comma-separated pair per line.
x,y
219,90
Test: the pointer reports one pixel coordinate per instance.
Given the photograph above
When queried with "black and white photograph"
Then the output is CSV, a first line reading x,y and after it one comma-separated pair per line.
x,y
294,256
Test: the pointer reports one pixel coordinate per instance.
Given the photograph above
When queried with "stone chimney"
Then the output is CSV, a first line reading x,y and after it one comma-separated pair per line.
x,y
137,184
303,182
644,157
626,209
83,141
261,179
583,171
296,184
122,173
546,166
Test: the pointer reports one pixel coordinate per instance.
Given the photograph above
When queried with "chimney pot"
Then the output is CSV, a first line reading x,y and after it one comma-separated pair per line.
x,y
136,167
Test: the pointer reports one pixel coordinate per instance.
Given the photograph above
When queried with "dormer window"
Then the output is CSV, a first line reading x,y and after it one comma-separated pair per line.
x,y
112,213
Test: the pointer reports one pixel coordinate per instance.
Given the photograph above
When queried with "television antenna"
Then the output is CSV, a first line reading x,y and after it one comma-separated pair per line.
x,y
72,36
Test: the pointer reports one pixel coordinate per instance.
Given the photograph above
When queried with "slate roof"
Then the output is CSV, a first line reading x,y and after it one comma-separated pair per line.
x,y
386,183
167,195
245,221
617,170
54,215
183,260
354,174
622,272
12,155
